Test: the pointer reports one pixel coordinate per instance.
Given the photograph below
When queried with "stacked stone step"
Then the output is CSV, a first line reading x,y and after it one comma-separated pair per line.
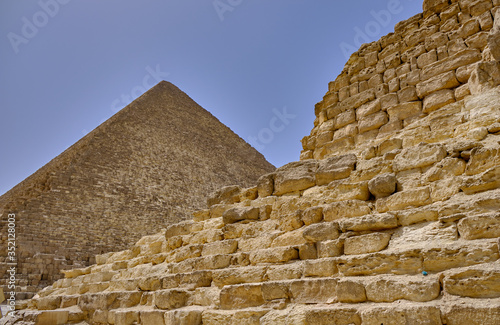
x,y
407,235
433,59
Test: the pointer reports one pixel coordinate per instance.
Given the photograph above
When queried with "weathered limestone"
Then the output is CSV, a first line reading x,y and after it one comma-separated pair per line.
x,y
393,224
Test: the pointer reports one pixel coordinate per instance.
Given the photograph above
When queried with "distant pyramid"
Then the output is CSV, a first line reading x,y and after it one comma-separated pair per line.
x,y
148,166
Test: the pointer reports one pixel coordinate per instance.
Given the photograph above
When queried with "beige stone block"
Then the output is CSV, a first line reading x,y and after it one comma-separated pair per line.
x,y
312,215
320,232
405,110
369,222
291,238
284,272
438,99
239,275
406,262
368,243
265,185
445,80
349,130
416,288
170,299
417,215
295,176
461,92
181,228
481,226
382,185
313,291
248,244
373,121
350,291
482,159
273,255
420,156
452,256
241,296
389,128
488,180
345,209
474,314
192,316
333,168
414,314
388,100
323,267
275,290
444,189
401,200
221,247
368,108
344,118
341,190
407,94
474,283
324,137
329,248
453,62
123,317
226,195
335,147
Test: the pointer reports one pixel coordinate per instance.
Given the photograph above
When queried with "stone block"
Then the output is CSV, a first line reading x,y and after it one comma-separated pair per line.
x,y
402,200
350,291
488,180
428,315
445,80
406,262
312,291
321,232
220,247
265,185
405,110
273,255
382,185
290,238
344,118
239,275
192,316
369,222
342,190
373,121
450,63
324,267
312,215
480,226
438,99
474,283
330,248
368,243
225,195
345,209
170,299
240,213
416,288
420,156
52,317
368,108
334,168
179,229
295,176
241,296
473,314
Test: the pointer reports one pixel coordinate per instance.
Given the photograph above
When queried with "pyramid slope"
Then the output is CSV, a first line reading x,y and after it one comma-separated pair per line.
x,y
149,165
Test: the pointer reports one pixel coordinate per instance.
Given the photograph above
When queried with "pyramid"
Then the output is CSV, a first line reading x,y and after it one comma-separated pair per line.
x,y
150,165
391,217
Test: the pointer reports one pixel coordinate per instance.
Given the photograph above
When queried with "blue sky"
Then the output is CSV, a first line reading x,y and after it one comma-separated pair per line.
x,y
258,66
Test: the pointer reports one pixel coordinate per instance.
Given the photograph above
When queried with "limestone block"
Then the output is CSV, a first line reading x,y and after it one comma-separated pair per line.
x,y
484,76
401,200
341,190
452,256
407,262
192,316
52,317
445,80
416,288
333,168
420,156
324,137
336,146
241,296
273,255
220,247
405,110
474,314
312,215
388,100
205,296
323,267
284,272
438,99
481,226
368,243
417,215
295,176
240,213
450,63
291,238
482,159
307,251
123,317
446,168
48,303
170,299
350,291
330,248
494,38
217,210
265,185
369,222
382,185
371,107
373,121
206,236
230,276
474,283
445,188
321,232
178,229
275,290
186,252
326,315
413,314
359,99
225,195
349,130
344,118
345,209
313,291
488,180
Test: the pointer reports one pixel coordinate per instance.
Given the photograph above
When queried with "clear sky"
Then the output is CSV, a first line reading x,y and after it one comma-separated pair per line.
x,y
258,66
